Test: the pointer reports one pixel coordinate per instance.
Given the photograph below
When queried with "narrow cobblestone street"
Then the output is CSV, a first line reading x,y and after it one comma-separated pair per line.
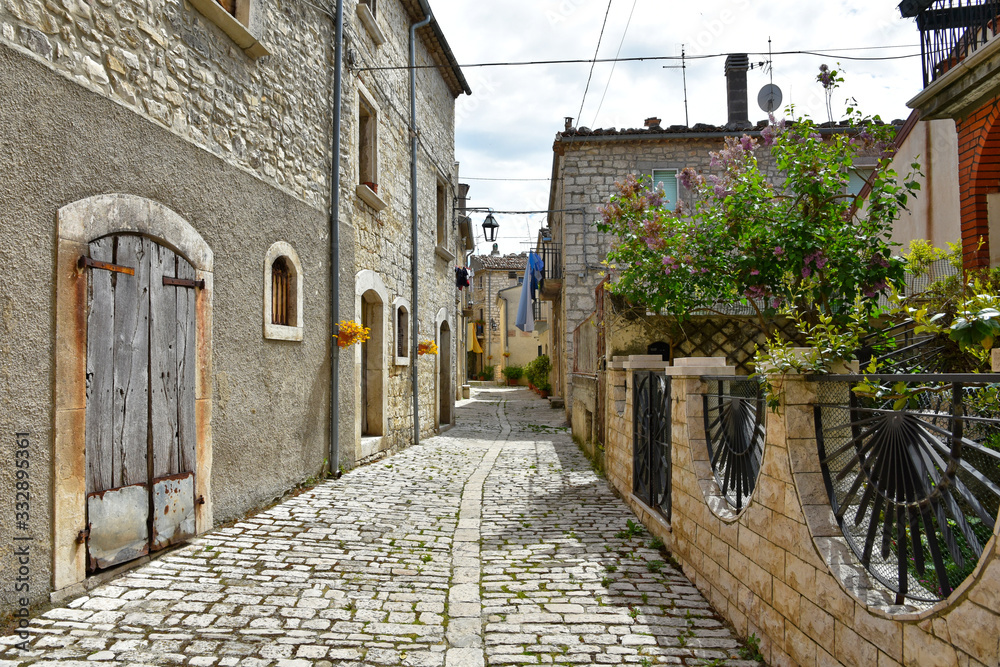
x,y
494,543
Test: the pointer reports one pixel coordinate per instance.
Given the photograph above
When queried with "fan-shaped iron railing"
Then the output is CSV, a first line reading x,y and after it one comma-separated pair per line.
x,y
651,466
915,490
735,432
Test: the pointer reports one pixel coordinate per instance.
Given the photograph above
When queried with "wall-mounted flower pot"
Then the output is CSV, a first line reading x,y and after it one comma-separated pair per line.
x,y
371,186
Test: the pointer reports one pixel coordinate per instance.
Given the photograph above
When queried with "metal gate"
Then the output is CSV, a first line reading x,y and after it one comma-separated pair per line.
x,y
140,430
651,429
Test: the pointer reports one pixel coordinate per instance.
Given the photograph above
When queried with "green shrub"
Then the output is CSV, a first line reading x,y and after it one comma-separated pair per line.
x,y
513,372
537,372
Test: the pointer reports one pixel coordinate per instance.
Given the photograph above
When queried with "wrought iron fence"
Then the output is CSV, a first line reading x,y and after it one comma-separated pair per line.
x,y
950,30
913,475
735,432
913,352
651,440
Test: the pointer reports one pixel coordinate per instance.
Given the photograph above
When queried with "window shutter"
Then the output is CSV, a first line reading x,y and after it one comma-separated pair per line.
x,y
667,178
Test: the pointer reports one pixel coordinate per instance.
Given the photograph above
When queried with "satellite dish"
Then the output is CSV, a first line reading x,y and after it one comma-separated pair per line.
x,y
769,98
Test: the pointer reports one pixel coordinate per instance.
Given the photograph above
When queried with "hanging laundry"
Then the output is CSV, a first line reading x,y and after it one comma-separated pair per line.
x,y
525,320
461,277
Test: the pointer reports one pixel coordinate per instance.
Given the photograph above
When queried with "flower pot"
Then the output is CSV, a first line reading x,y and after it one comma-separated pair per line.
x,y
371,186
543,393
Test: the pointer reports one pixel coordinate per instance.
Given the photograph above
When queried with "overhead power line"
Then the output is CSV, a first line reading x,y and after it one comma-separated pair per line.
x,y
471,178
829,53
617,53
593,62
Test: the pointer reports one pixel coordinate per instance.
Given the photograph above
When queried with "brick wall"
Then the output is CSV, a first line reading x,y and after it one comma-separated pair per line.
x,y
779,569
979,175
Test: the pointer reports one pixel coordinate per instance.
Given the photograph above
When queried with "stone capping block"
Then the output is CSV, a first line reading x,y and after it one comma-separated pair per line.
x,y
700,362
368,195
995,359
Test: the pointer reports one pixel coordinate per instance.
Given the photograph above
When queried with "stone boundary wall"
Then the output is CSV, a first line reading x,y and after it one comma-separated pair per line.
x,y
780,569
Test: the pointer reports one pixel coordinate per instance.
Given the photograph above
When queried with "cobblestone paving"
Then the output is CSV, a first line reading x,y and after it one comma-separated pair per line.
x,y
492,544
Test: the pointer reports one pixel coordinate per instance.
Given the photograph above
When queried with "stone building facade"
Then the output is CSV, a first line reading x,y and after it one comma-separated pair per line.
x,y
492,273
587,163
208,134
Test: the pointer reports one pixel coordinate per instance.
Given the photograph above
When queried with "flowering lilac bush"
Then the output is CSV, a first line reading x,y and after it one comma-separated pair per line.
x,y
803,244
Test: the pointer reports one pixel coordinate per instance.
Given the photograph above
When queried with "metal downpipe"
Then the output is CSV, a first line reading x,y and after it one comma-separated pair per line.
x,y
338,85
414,264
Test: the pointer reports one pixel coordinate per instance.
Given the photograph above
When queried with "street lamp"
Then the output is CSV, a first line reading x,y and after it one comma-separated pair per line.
x,y
490,227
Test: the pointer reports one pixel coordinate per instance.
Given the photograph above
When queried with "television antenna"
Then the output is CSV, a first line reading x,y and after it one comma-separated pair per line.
x,y
683,68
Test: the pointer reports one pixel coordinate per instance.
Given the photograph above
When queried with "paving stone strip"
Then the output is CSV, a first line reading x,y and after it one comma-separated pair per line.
x,y
492,544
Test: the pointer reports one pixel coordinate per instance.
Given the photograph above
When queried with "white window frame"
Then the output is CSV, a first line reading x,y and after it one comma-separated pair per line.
x,y
672,204
296,306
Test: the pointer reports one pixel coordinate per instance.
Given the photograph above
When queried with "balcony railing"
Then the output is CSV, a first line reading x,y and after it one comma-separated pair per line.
x,y
551,254
950,30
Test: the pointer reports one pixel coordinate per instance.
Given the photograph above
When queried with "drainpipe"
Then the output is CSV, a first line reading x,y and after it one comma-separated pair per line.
x,y
338,84
414,265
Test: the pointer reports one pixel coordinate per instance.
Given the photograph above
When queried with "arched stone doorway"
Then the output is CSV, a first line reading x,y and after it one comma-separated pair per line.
x,y
371,367
79,226
445,390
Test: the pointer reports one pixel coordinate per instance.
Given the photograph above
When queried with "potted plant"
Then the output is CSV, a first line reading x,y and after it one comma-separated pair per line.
x,y
513,374
350,332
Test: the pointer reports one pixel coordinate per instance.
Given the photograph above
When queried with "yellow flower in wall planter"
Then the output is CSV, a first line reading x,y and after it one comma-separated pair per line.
x,y
350,332
427,347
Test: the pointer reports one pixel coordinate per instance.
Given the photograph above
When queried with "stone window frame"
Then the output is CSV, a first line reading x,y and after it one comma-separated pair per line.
x,y
239,27
77,224
367,11
278,250
366,139
442,220
401,303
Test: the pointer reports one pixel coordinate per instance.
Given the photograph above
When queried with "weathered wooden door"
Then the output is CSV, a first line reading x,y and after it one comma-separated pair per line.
x,y
140,400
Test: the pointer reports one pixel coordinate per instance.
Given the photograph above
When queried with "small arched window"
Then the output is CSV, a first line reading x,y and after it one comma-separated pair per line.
x,y
282,293
402,330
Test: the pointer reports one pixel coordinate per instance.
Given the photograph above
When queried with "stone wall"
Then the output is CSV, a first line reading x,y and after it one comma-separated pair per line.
x,y
167,62
778,568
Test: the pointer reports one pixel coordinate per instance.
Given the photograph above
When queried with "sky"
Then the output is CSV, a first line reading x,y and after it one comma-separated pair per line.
x,y
506,128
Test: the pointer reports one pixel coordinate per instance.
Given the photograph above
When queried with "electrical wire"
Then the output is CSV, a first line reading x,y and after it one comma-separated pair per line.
x,y
600,38
617,53
828,53
471,178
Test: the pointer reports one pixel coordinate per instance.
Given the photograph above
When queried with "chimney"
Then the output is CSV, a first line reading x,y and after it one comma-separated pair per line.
x,y
653,121
736,87
569,123
496,250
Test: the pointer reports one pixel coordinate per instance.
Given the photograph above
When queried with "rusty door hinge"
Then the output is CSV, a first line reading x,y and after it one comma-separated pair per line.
x,y
201,500
85,262
183,282
82,536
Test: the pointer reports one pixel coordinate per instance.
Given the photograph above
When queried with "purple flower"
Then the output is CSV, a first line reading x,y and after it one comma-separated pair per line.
x,y
690,179
775,302
806,272
747,143
655,198
754,272
778,251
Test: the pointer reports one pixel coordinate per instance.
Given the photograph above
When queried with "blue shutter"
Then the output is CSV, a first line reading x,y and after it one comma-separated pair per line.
x,y
667,179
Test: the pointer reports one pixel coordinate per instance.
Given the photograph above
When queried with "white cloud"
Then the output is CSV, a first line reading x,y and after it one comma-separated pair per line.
x,y
507,127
